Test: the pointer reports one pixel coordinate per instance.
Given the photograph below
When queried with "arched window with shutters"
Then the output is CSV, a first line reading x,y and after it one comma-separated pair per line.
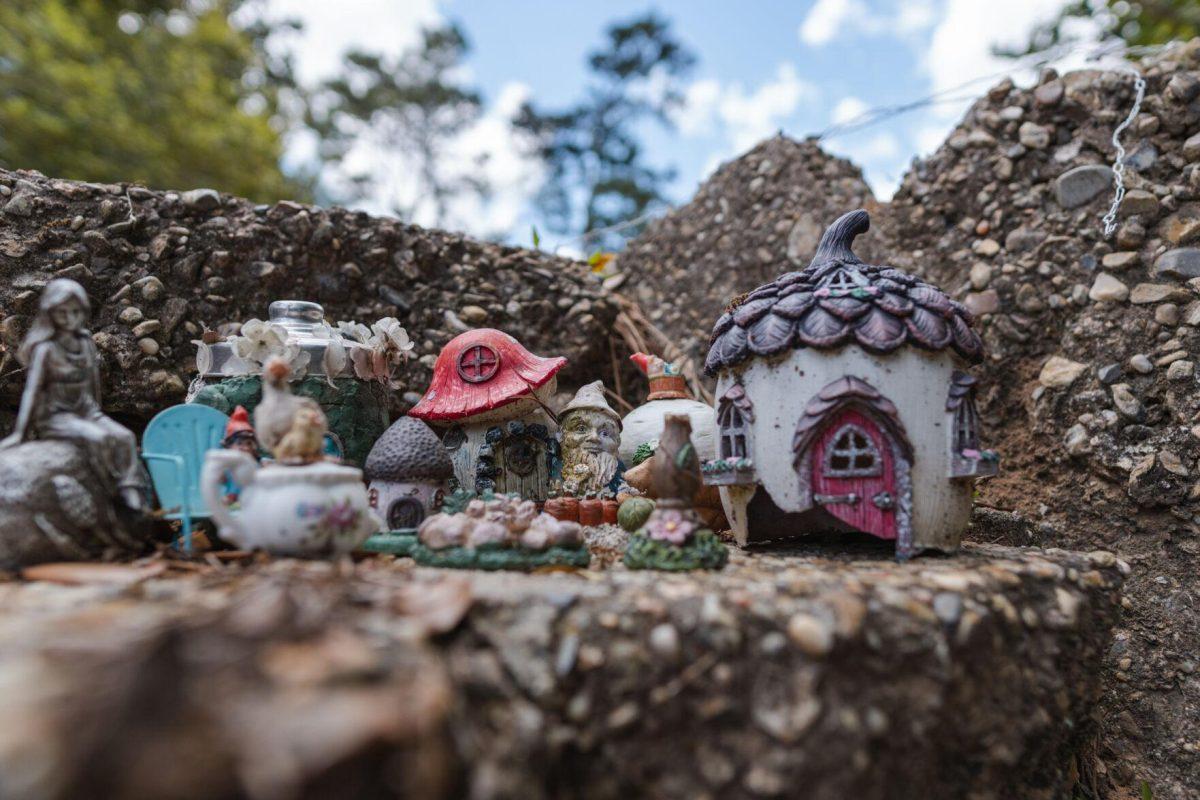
x,y
733,431
967,458
733,464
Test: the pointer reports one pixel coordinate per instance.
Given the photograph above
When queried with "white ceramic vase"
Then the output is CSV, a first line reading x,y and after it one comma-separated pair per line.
x,y
645,423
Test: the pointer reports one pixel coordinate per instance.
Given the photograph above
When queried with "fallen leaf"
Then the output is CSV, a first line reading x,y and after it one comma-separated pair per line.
x,y
87,573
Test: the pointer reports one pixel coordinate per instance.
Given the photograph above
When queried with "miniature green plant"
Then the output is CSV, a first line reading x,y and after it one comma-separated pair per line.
x,y
702,551
644,451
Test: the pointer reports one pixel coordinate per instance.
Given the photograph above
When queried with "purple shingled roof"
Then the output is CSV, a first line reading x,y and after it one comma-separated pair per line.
x,y
839,300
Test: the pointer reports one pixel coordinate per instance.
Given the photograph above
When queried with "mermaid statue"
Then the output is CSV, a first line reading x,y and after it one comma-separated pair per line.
x,y
62,392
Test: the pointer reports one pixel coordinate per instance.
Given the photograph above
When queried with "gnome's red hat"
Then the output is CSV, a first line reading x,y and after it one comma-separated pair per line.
x,y
479,371
239,425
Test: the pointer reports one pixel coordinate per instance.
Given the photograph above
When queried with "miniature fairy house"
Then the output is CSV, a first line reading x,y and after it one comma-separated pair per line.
x,y
491,395
407,472
842,405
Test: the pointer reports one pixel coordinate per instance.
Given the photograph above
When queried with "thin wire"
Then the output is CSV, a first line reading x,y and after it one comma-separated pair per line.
x,y
1118,168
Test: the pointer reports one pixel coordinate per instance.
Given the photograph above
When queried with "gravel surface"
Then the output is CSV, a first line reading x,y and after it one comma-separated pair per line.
x,y
842,672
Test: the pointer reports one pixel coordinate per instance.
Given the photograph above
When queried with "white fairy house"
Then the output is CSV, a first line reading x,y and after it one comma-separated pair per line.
x,y
842,404
407,472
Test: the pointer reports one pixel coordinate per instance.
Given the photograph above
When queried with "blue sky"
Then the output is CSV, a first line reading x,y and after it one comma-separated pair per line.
x,y
762,66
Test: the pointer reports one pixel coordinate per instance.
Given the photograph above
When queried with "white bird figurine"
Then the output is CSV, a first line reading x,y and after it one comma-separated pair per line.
x,y
276,411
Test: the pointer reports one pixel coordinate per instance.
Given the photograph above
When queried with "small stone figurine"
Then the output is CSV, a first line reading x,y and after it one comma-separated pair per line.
x,y
591,435
673,537
62,392
65,462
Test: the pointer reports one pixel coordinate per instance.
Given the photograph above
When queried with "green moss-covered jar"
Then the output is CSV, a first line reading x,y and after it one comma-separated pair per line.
x,y
702,551
356,410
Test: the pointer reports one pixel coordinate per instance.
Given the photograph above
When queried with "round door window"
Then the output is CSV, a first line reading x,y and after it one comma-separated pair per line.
x,y
478,363
407,512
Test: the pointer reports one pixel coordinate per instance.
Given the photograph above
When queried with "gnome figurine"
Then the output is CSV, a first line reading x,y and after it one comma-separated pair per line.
x,y
239,435
591,436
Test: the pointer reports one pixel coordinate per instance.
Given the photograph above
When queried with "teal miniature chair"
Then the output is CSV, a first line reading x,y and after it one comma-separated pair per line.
x,y
173,448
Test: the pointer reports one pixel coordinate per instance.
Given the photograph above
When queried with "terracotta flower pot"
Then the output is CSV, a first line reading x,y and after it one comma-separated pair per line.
x,y
563,508
610,512
591,512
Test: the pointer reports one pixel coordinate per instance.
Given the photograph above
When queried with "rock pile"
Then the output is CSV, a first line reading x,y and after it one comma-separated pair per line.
x,y
1091,393
752,218
160,267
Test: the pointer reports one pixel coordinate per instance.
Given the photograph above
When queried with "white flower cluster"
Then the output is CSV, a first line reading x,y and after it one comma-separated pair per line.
x,y
375,355
385,346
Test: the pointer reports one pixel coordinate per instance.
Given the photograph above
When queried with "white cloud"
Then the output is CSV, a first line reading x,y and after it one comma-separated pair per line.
x,y
827,19
847,109
743,117
960,49
333,27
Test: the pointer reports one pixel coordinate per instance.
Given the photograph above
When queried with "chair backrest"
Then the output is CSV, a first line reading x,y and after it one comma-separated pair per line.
x,y
186,431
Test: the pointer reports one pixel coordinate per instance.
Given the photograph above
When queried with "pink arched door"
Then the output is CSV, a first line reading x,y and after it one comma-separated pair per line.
x,y
854,475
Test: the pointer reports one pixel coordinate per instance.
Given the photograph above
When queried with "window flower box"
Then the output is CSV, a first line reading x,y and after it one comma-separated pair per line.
x,y
728,472
972,463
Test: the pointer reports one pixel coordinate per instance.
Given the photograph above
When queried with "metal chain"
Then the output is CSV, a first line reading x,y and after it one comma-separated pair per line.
x,y
1110,219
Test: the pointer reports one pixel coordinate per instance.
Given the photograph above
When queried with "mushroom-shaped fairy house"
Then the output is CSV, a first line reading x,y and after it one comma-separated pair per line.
x,y
407,472
490,395
842,404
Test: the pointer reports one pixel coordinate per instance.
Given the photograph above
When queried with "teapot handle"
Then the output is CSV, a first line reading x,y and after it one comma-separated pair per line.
x,y
212,476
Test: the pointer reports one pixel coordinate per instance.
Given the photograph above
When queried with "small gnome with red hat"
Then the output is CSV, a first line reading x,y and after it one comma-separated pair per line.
x,y
239,435
490,397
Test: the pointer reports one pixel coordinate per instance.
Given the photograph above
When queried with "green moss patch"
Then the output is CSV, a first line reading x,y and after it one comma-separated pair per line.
x,y
703,551
494,557
396,543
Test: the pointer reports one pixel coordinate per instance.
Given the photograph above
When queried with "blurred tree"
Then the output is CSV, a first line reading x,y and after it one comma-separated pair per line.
x,y
408,112
597,176
163,92
1138,23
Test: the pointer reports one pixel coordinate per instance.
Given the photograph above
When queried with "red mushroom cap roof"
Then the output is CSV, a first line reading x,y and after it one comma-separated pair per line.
x,y
479,371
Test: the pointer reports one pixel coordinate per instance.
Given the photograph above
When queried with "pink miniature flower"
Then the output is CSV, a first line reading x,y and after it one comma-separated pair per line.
x,y
669,525
341,517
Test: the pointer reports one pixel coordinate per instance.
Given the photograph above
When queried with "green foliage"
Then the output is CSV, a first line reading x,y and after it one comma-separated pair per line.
x,y
496,557
1146,792
597,175
703,551
1137,23
162,92
537,239
414,105
644,450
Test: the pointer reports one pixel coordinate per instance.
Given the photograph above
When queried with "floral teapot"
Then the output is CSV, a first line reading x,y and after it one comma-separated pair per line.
x,y
312,510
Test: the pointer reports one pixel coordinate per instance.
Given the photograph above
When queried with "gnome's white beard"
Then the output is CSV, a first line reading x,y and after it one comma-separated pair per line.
x,y
588,472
